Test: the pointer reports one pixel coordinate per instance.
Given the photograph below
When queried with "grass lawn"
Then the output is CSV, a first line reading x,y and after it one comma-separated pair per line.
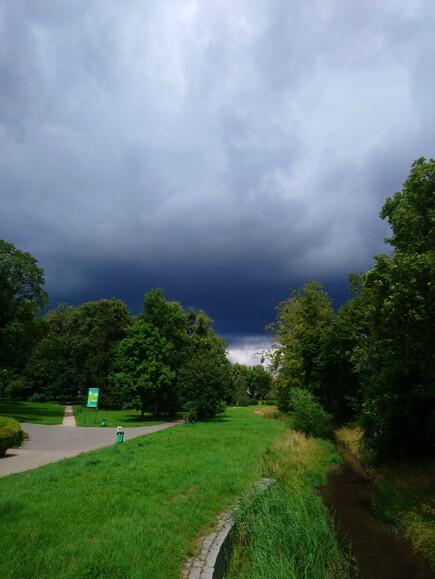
x,y
34,412
124,418
132,510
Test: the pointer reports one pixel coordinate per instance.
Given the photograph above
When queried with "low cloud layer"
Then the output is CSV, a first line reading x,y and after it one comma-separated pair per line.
x,y
225,151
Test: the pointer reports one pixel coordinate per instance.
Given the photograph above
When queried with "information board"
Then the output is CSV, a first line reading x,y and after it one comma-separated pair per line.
x,y
93,397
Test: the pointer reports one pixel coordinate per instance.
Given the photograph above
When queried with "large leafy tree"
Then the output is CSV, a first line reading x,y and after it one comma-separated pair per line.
x,y
144,373
339,381
21,297
204,377
397,358
298,330
170,320
77,351
249,382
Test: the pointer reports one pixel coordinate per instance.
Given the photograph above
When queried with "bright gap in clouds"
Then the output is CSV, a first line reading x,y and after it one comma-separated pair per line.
x,y
248,350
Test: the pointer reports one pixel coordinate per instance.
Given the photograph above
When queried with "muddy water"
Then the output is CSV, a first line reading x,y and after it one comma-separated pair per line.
x,y
378,552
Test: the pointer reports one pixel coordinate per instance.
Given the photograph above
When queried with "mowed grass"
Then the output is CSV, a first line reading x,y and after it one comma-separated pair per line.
x,y
33,412
132,510
89,417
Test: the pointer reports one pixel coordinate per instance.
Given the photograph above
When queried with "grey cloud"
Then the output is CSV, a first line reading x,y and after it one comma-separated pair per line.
x,y
227,151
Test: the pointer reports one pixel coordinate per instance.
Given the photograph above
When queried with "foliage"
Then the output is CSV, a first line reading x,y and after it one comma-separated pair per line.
x,y
77,351
300,323
308,415
171,322
38,398
21,283
339,381
411,212
134,509
249,382
204,378
17,387
239,387
144,372
397,358
10,434
21,297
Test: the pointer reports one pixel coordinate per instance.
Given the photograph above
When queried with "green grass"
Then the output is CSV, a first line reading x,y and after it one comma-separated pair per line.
x,y
286,532
130,510
33,412
124,418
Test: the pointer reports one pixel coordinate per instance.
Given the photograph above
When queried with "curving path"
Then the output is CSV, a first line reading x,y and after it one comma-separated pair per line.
x,y
53,443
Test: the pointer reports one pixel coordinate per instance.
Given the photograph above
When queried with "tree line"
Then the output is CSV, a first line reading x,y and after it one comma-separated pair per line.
x,y
373,362
160,361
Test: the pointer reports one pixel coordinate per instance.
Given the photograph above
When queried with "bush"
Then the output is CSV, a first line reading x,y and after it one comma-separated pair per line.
x,y
252,402
38,398
309,415
10,434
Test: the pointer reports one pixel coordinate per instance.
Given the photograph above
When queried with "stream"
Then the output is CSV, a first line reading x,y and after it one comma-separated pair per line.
x,y
378,552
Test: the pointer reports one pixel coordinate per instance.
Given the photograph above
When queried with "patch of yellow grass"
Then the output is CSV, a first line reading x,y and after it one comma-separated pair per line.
x,y
292,455
267,412
350,438
421,532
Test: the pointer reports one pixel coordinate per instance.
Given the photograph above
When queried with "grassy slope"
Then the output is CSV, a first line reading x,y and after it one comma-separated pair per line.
x,y
131,510
34,412
287,532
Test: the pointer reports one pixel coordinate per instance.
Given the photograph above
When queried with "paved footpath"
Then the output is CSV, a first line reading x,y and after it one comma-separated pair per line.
x,y
48,443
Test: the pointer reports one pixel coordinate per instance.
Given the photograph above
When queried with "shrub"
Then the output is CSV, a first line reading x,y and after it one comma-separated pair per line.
x,y
6,436
309,415
252,402
38,398
10,434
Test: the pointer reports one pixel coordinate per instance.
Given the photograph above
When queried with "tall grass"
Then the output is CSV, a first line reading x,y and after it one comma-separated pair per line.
x,y
136,509
286,532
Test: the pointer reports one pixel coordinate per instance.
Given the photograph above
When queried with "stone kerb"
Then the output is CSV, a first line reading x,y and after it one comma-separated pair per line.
x,y
216,547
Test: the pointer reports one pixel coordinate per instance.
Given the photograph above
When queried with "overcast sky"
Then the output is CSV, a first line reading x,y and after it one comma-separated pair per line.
x,y
223,150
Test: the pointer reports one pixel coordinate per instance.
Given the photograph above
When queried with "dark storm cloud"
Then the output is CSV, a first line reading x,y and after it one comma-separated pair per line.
x,y
225,151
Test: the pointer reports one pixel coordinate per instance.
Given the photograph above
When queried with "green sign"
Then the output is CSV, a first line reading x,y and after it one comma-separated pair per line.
x,y
93,398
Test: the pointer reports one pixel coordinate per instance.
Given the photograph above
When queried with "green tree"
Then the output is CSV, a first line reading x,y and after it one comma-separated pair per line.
x,y
239,385
339,381
143,368
204,378
259,382
21,297
300,324
397,358
77,350
57,365
102,324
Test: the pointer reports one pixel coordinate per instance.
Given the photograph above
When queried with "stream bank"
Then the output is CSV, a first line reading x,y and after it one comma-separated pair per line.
x,y
379,553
